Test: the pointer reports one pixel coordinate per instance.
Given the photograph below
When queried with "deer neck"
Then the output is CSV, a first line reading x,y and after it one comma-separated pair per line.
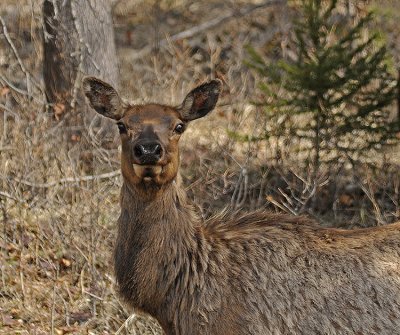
x,y
156,237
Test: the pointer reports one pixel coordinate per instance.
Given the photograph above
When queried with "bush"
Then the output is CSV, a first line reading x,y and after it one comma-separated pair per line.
x,y
336,92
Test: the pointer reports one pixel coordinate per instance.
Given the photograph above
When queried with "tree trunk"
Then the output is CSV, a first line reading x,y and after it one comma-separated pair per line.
x,y
398,98
78,41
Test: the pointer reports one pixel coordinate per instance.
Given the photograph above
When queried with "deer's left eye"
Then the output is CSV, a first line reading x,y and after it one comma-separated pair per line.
x,y
179,128
121,127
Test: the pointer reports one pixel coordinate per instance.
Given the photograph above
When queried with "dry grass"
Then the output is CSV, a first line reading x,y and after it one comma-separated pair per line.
x,y
58,230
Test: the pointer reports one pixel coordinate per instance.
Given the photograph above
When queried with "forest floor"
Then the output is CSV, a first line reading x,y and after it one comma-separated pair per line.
x,y
57,235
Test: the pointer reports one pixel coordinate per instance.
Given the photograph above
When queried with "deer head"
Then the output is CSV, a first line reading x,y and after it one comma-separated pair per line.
x,y
150,133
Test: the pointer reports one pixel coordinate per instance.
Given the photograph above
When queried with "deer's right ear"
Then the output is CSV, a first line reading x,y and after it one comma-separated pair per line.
x,y
200,101
103,98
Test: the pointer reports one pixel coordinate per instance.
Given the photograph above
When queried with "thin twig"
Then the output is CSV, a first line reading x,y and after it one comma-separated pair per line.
x,y
8,110
93,295
53,304
281,206
368,191
9,196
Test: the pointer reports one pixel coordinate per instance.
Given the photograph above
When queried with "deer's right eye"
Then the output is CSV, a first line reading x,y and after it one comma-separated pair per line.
x,y
121,127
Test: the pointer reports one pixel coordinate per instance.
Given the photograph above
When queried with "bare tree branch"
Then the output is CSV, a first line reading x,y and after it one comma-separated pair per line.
x,y
204,26
29,77
108,175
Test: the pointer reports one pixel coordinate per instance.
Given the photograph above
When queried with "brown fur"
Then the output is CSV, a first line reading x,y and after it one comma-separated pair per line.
x,y
257,273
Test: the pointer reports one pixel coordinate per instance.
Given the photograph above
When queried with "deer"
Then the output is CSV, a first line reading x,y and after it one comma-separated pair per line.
x,y
235,273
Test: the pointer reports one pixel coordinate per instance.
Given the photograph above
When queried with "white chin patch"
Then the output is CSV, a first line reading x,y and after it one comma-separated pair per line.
x,y
148,171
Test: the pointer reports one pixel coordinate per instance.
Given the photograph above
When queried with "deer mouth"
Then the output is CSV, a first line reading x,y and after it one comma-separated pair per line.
x,y
147,172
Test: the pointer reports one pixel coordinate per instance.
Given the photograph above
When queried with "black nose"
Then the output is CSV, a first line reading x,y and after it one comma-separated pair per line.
x,y
148,153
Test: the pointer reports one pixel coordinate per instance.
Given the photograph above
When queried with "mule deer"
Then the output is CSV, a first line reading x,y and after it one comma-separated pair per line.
x,y
255,273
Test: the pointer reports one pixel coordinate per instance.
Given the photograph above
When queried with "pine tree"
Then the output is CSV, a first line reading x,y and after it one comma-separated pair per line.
x,y
338,91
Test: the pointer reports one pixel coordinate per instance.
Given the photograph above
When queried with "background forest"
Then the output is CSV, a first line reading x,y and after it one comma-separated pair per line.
x,y
308,123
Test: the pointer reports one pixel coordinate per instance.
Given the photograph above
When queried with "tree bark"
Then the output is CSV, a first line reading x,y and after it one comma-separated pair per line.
x,y
78,40
398,97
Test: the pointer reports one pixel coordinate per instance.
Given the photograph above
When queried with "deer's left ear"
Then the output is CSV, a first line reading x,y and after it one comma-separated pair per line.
x,y
200,101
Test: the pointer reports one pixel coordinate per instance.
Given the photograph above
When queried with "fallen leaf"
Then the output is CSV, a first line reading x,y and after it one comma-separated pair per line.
x,y
346,200
270,198
80,317
4,91
65,263
67,330
15,312
59,110
75,138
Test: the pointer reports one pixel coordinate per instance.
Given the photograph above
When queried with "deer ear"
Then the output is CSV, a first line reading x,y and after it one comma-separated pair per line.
x,y
200,101
103,98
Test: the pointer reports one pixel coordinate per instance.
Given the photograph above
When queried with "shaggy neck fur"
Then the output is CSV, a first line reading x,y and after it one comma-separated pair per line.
x,y
156,238
256,273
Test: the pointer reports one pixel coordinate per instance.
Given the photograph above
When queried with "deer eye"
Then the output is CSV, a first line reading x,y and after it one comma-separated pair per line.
x,y
179,128
121,127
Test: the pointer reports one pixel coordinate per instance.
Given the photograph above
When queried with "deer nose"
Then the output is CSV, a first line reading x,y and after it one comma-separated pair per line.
x,y
148,153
